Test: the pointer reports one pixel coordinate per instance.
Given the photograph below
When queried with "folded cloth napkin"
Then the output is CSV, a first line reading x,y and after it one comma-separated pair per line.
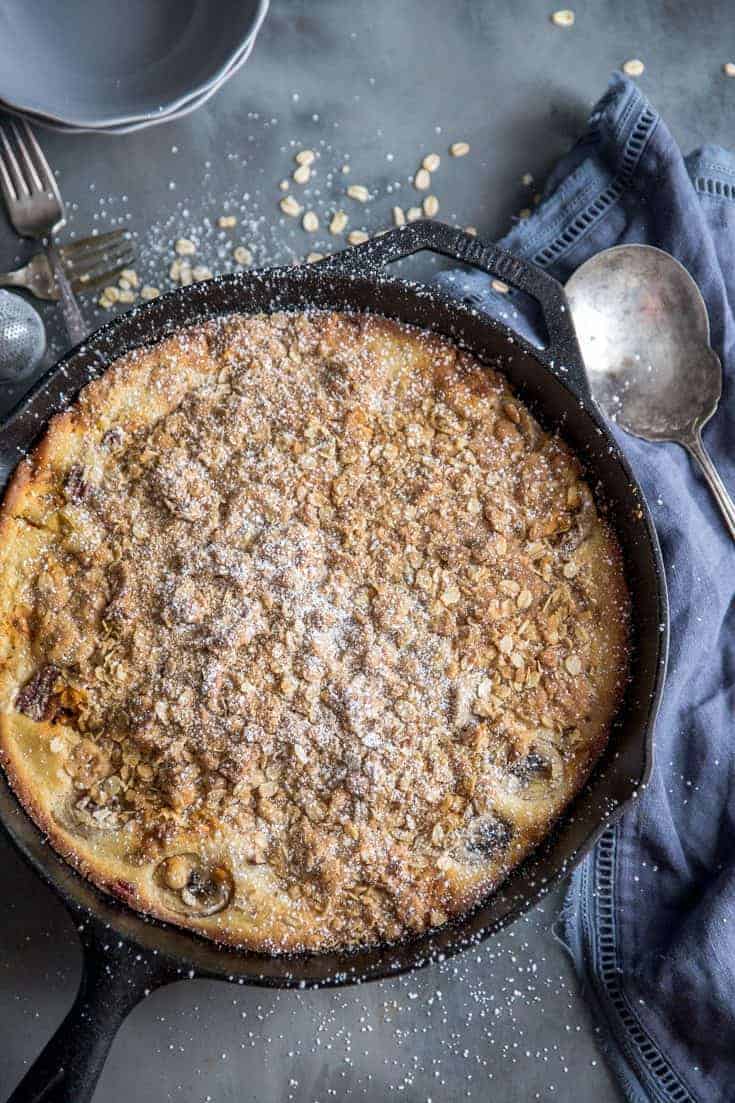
x,y
650,915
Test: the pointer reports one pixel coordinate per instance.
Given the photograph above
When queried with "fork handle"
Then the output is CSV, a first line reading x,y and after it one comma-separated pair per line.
x,y
18,278
73,319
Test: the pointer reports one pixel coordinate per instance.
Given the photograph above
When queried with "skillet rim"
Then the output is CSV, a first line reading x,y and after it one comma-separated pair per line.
x,y
156,320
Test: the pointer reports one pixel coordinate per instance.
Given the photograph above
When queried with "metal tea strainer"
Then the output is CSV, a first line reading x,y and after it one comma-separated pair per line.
x,y
22,338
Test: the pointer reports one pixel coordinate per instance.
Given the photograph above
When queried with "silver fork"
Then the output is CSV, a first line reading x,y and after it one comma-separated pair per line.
x,y
35,209
89,263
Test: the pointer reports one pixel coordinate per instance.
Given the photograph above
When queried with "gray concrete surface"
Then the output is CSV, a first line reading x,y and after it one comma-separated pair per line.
x,y
381,83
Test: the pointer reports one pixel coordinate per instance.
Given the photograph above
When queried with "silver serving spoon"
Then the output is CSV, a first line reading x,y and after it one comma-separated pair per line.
x,y
644,333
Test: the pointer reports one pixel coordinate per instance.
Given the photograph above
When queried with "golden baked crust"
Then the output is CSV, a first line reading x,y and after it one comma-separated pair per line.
x,y
308,632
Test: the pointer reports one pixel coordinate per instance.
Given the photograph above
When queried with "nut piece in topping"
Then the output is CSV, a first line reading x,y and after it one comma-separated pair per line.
x,y
357,237
242,255
399,218
305,157
471,230
201,272
310,222
312,258
634,67
338,222
431,162
500,286
422,180
226,221
413,213
563,18
290,206
147,292
459,149
302,174
431,206
185,247
358,192
130,276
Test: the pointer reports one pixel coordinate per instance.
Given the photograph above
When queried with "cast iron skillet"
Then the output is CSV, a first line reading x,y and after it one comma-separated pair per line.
x,y
126,954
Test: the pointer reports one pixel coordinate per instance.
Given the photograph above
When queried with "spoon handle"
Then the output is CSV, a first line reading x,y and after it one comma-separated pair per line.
x,y
722,496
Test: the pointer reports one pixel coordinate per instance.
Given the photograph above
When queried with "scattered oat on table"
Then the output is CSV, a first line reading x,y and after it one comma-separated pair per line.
x,y
201,272
242,255
413,213
312,258
302,174
729,68
431,162
634,67
471,230
338,222
563,18
358,192
184,247
459,149
226,221
431,206
422,180
399,218
290,206
305,157
147,292
310,222
357,237
500,287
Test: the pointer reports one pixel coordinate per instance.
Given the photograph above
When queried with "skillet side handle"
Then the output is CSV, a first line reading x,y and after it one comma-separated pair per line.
x,y
562,353
115,977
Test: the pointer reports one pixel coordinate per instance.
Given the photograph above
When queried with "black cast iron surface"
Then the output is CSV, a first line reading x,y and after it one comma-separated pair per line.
x,y
553,382
503,1021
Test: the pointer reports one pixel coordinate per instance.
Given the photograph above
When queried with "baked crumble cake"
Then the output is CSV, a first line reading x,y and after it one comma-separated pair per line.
x,y
308,631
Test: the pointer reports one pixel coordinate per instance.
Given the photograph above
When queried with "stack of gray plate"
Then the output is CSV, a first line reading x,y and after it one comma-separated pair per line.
x,y
111,67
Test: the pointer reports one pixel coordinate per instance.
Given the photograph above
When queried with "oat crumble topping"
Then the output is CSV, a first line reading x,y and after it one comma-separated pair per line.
x,y
340,606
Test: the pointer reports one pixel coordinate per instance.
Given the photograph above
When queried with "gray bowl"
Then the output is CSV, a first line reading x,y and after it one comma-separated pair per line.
x,y
185,108
103,65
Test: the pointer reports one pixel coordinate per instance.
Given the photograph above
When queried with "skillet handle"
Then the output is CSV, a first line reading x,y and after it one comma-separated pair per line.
x,y
562,353
115,977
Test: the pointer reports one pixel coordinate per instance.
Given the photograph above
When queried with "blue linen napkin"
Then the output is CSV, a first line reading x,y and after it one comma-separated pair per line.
x,y
650,915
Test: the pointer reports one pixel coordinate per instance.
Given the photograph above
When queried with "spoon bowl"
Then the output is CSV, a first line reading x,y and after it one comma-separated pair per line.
x,y
644,332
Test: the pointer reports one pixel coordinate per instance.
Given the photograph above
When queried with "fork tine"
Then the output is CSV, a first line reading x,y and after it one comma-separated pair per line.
x,y
30,169
74,248
102,280
104,267
89,255
12,167
47,178
6,183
